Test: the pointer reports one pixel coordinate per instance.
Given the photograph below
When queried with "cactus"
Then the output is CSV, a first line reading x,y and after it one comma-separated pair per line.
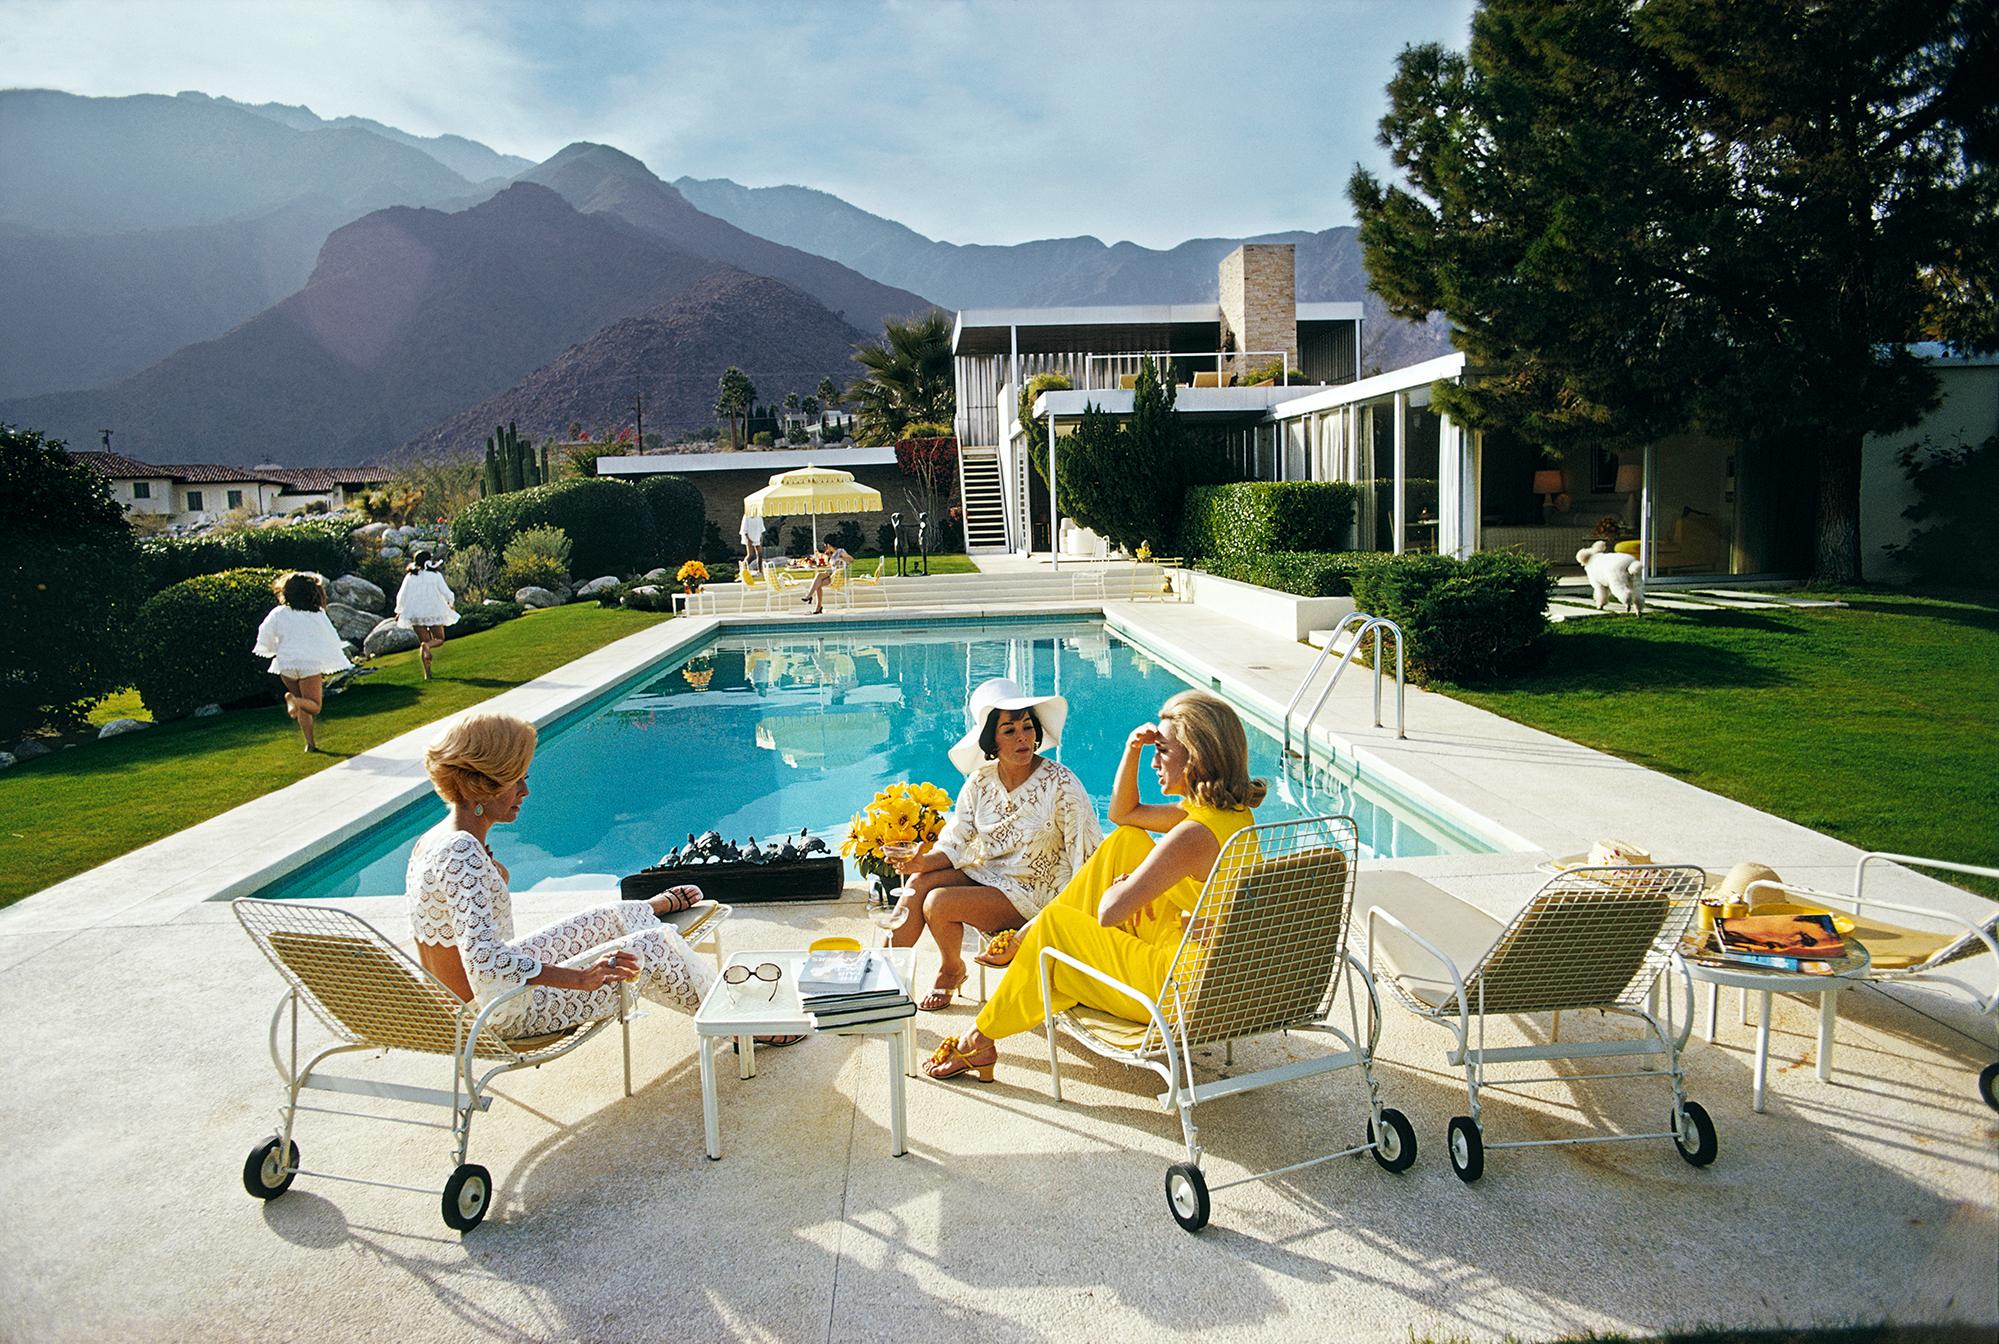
x,y
511,462
489,484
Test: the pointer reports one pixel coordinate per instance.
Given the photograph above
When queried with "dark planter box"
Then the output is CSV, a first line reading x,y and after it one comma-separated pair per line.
x,y
742,883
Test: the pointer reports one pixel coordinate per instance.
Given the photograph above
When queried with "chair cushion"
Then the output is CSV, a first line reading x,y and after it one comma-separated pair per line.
x,y
1464,932
1890,947
1116,1032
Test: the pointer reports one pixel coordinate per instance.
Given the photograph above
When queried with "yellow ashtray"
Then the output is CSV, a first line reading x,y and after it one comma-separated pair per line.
x,y
1843,923
834,945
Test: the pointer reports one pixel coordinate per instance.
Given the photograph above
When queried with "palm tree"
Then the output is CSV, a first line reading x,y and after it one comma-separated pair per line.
x,y
737,395
908,378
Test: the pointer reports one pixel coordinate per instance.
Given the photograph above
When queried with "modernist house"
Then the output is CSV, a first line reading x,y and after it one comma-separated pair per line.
x,y
1700,505
206,492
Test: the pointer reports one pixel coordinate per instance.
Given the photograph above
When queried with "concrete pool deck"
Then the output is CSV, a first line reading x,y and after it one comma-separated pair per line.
x,y
139,1079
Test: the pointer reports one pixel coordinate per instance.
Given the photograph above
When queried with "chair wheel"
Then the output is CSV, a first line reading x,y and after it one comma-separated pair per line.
x,y
466,1197
1467,1149
1988,1085
264,1175
1187,1195
1694,1134
1395,1146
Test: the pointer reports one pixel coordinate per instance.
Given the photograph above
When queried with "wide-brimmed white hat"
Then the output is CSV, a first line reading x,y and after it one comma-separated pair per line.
x,y
1005,693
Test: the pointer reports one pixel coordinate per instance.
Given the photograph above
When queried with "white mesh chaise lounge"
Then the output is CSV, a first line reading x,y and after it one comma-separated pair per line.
x,y
1265,951
1593,938
370,995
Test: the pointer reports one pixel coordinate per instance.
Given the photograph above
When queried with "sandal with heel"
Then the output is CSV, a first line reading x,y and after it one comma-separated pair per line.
x,y
948,1061
940,995
1000,949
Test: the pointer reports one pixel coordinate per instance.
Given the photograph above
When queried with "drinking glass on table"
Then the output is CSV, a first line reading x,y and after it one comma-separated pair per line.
x,y
897,852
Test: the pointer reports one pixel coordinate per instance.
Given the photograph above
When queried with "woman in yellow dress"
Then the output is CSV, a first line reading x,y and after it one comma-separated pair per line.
x,y
1121,913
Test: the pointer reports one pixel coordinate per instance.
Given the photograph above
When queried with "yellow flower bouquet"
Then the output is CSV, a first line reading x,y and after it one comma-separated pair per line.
x,y
910,814
692,575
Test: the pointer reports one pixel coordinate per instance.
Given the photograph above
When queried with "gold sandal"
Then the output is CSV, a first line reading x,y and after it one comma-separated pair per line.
x,y
1000,949
940,995
948,1061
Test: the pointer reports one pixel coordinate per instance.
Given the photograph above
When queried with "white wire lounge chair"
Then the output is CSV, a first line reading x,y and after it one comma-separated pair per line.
x,y
372,996
1593,938
1899,954
1265,951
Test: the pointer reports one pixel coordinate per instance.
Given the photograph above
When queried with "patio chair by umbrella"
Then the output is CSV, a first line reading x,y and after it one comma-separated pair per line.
x,y
813,491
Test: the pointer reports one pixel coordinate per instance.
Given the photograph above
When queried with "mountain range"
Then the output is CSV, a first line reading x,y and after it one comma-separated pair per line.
x,y
232,282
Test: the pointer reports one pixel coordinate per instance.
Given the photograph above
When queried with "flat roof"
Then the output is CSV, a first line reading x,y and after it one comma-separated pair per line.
x,y
1241,401
985,330
769,461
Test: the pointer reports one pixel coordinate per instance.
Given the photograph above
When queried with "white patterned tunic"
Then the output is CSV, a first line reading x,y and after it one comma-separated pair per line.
x,y
457,898
425,599
1026,844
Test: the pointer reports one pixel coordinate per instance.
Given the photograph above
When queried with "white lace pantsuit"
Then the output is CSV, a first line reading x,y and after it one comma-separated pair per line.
x,y
458,898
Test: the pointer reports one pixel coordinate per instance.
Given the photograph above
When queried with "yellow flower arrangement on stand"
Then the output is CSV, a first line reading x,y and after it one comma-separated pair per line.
x,y
692,575
899,814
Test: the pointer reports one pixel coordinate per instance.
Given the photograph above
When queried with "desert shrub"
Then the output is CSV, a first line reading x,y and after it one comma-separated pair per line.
x,y
1267,373
1465,621
1248,518
885,539
478,616
323,545
609,523
762,439
191,643
679,516
847,536
799,541
383,572
537,557
658,595
927,429
1305,573
1955,488
714,546
473,574
70,582
1130,482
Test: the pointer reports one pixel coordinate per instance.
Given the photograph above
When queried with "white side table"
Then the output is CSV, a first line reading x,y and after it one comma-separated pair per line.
x,y
1769,981
744,1012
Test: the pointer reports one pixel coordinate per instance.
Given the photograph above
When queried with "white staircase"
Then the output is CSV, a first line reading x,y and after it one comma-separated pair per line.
x,y
984,501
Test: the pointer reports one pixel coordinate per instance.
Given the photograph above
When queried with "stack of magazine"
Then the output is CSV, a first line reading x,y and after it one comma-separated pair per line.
x,y
849,989
1802,942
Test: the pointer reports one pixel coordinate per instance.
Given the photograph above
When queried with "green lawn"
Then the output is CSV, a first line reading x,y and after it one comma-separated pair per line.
x,y
939,564
1877,723
73,810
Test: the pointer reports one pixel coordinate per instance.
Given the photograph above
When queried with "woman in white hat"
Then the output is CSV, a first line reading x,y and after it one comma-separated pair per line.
x,y
1022,826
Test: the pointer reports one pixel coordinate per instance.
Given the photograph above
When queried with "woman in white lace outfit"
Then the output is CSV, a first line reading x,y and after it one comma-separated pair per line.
x,y
425,604
462,910
303,647
1022,826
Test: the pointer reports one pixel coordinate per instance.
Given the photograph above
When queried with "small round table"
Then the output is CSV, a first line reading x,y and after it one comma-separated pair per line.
x,y
1767,981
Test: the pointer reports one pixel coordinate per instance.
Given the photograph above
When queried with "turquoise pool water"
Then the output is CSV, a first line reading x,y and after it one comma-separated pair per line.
x,y
763,734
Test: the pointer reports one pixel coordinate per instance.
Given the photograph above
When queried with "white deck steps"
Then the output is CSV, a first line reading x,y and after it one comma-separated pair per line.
x,y
984,501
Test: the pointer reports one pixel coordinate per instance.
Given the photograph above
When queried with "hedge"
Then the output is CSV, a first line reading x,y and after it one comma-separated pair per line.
x,y
1248,518
191,643
1464,621
609,523
323,545
477,616
678,512
1305,573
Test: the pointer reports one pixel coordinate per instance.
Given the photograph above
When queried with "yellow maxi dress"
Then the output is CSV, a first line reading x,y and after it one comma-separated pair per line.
x,y
1139,952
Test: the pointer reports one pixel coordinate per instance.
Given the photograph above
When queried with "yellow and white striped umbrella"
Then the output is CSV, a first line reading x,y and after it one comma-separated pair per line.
x,y
812,491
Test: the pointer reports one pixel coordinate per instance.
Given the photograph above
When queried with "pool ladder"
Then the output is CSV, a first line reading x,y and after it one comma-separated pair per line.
x,y
1362,625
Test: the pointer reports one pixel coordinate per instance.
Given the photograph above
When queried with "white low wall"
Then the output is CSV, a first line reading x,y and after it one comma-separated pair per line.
x,y
1282,614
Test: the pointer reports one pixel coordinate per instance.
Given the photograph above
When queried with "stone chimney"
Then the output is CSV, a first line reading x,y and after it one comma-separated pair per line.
x,y
1258,283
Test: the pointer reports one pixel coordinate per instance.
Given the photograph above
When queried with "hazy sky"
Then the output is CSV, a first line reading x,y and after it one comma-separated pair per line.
x,y
968,120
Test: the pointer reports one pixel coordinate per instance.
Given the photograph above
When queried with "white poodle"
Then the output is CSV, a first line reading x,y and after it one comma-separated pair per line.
x,y
1613,575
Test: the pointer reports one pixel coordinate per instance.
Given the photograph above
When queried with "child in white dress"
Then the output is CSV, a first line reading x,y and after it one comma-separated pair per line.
x,y
425,604
303,647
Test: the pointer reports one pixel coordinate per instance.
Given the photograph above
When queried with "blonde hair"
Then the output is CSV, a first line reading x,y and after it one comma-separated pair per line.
x,y
480,757
1217,751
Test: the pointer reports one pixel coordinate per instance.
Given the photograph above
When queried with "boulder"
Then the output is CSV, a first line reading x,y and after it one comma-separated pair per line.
x,y
117,726
28,748
536,598
596,586
392,552
351,622
388,637
6,759
210,711
371,531
661,574
356,591
643,593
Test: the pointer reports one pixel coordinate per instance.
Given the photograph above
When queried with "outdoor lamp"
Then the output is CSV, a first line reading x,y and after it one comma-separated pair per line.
x,y
1548,484
1630,480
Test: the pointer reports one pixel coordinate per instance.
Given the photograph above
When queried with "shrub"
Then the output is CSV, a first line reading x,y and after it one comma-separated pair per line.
x,y
191,643
678,515
537,557
1253,517
473,573
799,542
70,582
481,616
323,545
714,546
1465,620
1263,375
1305,573
927,429
1130,483
608,523
761,439
847,536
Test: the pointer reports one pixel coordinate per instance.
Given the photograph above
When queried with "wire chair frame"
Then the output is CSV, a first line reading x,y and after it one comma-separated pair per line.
x,y
1591,938
1264,951
371,996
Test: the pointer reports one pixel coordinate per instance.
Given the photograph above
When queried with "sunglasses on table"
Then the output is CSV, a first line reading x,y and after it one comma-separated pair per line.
x,y
742,975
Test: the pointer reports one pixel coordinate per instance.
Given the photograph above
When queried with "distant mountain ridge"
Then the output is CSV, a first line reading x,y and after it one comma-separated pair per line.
x,y
1054,271
410,316
468,158
674,355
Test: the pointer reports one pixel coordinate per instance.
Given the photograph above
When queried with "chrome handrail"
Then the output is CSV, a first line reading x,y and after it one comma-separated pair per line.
x,y
1365,624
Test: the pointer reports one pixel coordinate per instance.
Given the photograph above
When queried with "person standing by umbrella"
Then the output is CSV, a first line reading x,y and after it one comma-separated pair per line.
x,y
751,530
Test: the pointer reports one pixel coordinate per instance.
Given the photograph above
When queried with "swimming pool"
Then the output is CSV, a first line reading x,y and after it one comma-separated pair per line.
x,y
769,733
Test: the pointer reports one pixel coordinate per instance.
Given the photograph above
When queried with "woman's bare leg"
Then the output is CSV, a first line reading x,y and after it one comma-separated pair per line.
x,y
946,912
306,699
429,638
